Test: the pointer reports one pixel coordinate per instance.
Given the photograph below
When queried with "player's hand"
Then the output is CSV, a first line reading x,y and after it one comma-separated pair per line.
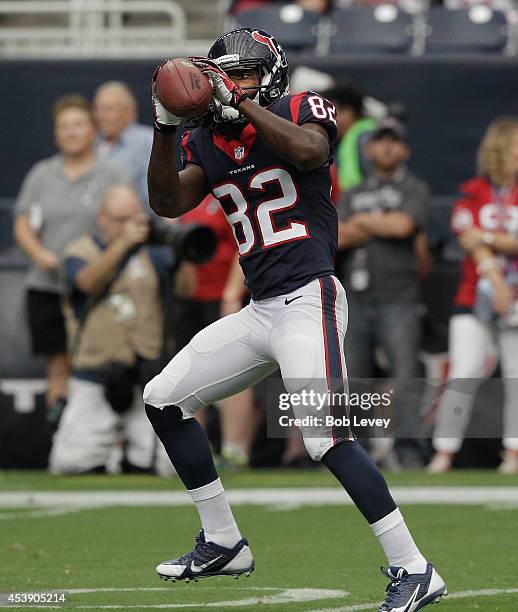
x,y
135,231
47,260
164,121
225,90
502,298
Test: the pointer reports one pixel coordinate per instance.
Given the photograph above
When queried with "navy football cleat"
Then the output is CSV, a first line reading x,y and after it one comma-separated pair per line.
x,y
208,559
411,592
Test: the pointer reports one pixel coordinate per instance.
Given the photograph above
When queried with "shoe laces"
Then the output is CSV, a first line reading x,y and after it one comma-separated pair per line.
x,y
201,553
397,586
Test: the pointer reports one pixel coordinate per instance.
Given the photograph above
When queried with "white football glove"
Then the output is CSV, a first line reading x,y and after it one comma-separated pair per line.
x,y
163,120
225,90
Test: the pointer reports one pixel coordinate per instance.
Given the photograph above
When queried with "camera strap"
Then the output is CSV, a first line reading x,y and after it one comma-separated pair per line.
x,y
93,300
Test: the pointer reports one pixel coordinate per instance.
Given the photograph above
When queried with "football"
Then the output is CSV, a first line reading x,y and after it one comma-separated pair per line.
x,y
183,88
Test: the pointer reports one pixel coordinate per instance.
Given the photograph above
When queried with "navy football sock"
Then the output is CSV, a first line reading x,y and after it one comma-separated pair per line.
x,y
360,477
186,444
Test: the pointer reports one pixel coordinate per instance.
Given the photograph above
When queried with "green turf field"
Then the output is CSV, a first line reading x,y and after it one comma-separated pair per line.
x,y
309,556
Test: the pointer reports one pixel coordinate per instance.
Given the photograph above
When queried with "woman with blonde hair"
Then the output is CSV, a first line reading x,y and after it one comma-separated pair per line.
x,y
485,314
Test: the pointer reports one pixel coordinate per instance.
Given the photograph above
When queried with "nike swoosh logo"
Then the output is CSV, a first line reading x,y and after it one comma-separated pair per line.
x,y
199,568
286,301
412,601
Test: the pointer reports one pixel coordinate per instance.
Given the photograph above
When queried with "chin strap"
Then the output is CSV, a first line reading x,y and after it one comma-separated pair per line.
x,y
225,113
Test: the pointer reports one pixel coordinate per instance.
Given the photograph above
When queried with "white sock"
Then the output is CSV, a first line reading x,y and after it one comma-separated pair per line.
x,y
216,516
398,544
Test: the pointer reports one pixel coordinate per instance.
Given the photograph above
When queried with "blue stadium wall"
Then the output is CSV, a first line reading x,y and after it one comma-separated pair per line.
x,y
450,100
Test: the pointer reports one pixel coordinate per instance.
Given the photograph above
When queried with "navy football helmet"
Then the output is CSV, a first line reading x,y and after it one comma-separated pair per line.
x,y
250,48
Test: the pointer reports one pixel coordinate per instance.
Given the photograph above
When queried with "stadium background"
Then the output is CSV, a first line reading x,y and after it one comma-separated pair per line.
x,y
450,99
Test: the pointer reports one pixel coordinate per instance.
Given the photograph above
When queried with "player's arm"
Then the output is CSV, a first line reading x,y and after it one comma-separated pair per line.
x,y
305,146
171,193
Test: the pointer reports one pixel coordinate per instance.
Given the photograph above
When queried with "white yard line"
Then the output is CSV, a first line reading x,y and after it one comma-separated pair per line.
x,y
267,596
458,595
41,504
277,497
270,596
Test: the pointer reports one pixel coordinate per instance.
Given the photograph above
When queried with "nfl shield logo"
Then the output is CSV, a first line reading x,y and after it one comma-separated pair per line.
x,y
239,153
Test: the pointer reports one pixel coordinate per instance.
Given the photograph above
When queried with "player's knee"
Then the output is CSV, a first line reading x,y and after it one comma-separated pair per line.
x,y
158,392
171,384
295,386
315,448
149,391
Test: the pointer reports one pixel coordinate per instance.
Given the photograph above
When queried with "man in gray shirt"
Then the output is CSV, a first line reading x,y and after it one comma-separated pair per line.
x,y
58,203
377,265
120,136
59,209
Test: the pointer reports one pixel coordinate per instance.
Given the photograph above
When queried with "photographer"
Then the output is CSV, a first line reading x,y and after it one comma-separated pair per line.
x,y
115,327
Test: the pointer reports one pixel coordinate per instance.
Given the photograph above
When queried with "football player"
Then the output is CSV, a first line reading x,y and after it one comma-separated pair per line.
x,y
265,155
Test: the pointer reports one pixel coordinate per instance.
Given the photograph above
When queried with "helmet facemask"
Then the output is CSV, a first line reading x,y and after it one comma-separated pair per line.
x,y
266,55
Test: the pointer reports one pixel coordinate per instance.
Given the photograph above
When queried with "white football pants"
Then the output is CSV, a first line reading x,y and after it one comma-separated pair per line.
x,y
301,333
470,342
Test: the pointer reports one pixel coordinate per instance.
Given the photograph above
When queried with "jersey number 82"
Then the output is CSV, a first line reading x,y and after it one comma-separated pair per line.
x,y
269,234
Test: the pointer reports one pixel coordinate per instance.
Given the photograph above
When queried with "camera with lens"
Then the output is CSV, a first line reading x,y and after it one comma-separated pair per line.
x,y
189,241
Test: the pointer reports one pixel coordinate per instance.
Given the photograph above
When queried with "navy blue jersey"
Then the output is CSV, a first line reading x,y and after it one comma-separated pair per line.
x,y
283,220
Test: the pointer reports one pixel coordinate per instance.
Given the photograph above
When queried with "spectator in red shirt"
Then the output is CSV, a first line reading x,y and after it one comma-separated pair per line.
x,y
485,219
206,306
322,7
237,6
318,6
